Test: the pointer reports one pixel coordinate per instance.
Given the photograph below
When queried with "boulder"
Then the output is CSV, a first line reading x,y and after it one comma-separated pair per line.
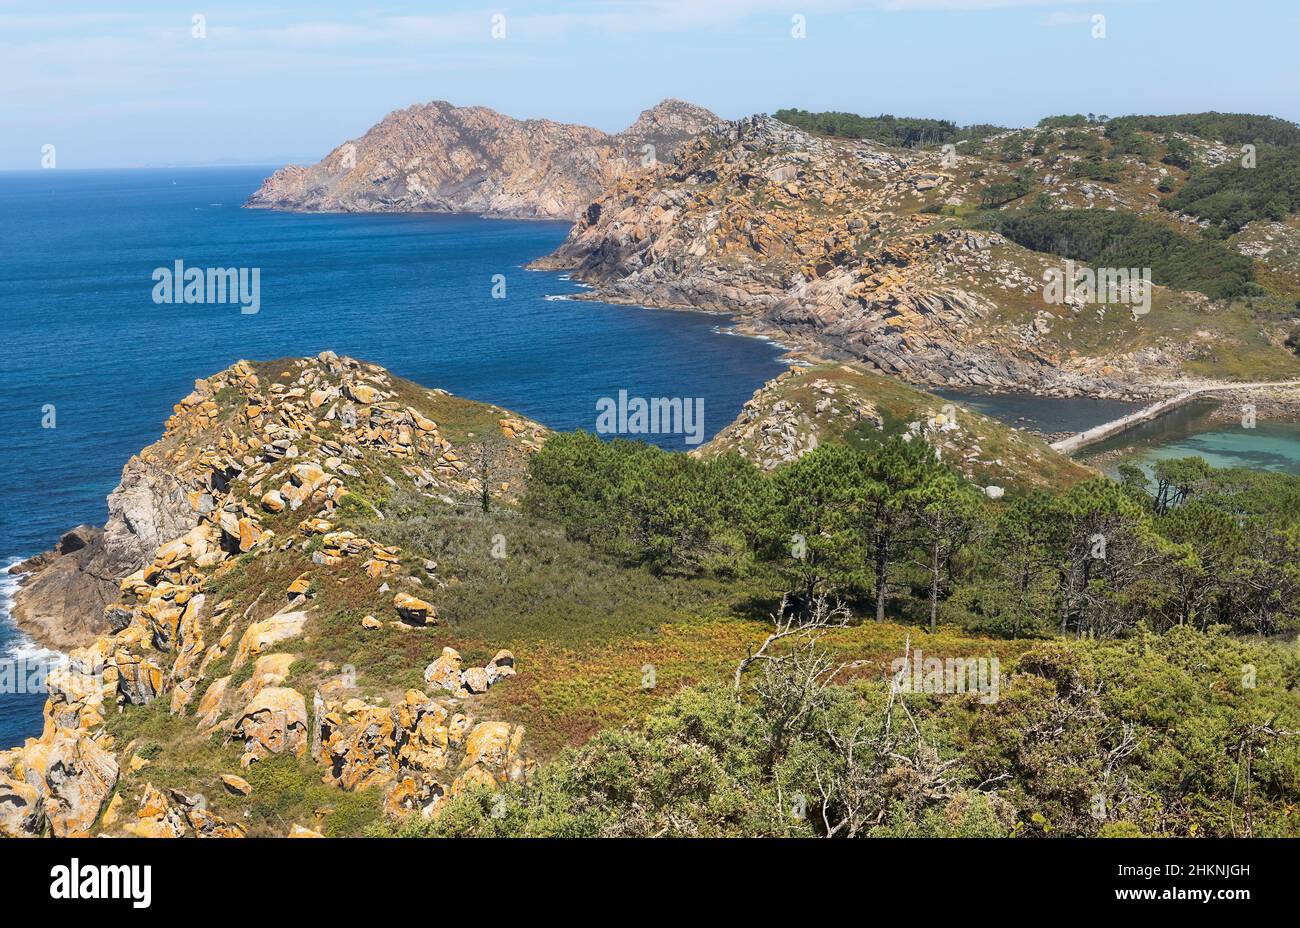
x,y
78,779
138,679
261,635
475,680
269,670
274,722
362,393
502,665
236,785
414,611
300,585
476,776
444,673
209,710
492,744
21,803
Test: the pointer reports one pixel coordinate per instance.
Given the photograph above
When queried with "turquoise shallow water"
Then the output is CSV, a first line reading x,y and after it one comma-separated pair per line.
x,y
1189,431
1182,433
411,292
1267,447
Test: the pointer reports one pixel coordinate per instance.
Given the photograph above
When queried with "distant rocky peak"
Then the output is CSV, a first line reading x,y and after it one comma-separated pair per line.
x,y
674,116
443,158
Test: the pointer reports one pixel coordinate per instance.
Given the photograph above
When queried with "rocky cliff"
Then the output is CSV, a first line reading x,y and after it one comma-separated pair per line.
x,y
229,554
65,590
844,245
442,158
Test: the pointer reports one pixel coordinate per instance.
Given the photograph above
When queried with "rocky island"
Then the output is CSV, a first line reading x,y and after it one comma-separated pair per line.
x,y
329,601
912,260
856,250
437,157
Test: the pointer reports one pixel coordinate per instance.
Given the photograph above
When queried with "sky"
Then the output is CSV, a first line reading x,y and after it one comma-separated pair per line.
x,y
136,83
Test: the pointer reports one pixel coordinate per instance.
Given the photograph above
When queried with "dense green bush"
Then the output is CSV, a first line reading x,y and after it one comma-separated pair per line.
x,y
995,195
1232,195
1097,169
1185,734
1178,154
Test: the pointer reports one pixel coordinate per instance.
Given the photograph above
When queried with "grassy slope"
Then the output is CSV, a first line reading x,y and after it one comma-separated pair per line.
x,y
585,631
1227,340
975,446
1234,340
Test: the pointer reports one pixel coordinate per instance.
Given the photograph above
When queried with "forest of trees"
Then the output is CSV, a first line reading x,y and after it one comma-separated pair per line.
x,y
1105,238
1231,195
894,533
1229,128
1159,720
900,131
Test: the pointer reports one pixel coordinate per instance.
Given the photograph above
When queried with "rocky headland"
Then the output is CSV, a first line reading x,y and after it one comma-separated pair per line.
x,y
436,157
826,242
258,471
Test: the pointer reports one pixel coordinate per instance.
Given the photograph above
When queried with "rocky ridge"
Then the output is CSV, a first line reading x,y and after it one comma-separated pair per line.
x,y
437,157
261,465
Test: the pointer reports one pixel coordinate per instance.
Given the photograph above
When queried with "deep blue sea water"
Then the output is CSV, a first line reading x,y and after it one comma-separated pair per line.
x,y
411,292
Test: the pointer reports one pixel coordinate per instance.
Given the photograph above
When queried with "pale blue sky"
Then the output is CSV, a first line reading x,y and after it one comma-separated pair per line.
x,y
126,84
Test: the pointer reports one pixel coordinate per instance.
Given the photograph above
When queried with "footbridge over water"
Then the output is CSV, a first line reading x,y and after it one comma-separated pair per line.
x,y
1147,413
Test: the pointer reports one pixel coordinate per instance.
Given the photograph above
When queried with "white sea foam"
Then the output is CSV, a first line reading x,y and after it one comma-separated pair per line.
x,y
733,330
557,298
17,646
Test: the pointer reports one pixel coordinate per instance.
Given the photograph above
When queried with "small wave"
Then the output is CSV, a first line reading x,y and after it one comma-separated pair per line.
x,y
17,646
733,330
557,298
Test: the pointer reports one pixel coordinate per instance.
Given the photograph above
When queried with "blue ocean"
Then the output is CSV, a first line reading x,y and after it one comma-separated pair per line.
x,y
88,350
